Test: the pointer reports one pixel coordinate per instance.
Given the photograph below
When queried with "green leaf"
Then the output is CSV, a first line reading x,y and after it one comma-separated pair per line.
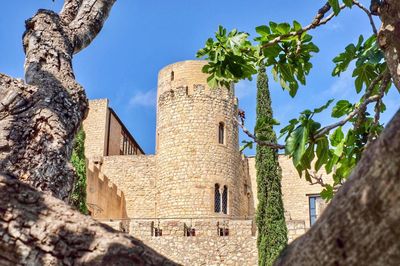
x,y
327,192
322,152
348,3
335,6
341,108
296,25
263,30
323,107
247,144
332,161
283,28
272,51
339,149
308,157
336,137
296,143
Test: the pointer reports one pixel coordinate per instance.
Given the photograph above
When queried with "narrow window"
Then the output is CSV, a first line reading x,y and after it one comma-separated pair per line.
x,y
225,200
217,199
172,75
316,207
313,210
221,133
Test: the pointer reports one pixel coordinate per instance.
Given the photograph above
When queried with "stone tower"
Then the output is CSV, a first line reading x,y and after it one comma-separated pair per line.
x,y
196,145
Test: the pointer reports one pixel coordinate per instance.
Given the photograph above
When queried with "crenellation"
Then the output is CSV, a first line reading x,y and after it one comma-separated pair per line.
x,y
175,200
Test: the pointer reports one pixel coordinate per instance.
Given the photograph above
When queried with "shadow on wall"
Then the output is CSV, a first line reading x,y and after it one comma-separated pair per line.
x,y
104,199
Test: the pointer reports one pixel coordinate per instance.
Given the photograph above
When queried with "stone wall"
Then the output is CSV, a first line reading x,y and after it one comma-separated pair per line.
x,y
240,251
295,190
207,247
190,159
104,199
95,127
135,175
104,132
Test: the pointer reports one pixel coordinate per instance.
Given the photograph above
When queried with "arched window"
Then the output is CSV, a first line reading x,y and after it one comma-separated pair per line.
x,y
172,75
225,200
217,199
221,133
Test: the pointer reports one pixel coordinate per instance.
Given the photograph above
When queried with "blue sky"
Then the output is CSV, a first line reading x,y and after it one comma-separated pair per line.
x,y
141,37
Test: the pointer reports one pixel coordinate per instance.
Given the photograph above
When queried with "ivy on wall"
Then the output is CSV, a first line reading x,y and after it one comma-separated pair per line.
x,y
78,196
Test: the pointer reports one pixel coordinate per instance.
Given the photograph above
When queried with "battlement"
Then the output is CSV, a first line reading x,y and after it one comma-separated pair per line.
x,y
196,91
184,227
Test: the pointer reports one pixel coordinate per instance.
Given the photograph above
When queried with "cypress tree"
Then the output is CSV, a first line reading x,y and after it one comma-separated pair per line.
x,y
78,196
272,231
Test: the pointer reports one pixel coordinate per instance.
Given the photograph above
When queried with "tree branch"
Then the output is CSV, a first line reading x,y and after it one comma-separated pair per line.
x,y
389,37
70,10
356,111
371,20
367,99
259,142
318,21
88,21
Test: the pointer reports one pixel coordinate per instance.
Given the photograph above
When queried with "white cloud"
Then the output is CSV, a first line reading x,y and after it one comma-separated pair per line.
x,y
144,99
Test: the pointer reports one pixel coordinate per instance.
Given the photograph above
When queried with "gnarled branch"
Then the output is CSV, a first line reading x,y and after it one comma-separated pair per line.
x,y
88,22
70,10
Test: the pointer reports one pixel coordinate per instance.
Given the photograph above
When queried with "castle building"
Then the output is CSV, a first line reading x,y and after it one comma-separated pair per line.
x,y
197,190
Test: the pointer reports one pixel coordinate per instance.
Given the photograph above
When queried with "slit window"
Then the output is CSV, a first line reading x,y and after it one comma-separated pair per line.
x,y
225,200
172,75
221,133
217,199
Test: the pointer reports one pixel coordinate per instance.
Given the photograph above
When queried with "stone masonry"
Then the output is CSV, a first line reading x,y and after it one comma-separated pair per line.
x,y
171,198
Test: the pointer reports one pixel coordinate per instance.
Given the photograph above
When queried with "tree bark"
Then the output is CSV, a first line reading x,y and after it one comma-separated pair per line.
x,y
38,229
361,224
39,119
389,37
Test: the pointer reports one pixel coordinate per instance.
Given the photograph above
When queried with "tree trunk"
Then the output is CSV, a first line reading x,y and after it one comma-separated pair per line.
x,y
389,37
38,229
40,119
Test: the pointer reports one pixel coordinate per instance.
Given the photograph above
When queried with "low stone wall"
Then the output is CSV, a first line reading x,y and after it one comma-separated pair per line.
x,y
208,246
201,227
295,228
229,250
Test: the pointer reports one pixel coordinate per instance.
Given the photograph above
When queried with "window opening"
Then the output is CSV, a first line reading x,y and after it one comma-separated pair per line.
x,y
188,230
221,129
313,209
225,200
217,199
